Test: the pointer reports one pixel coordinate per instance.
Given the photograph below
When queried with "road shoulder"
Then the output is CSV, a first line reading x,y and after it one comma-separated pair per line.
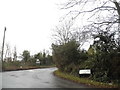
x,y
86,81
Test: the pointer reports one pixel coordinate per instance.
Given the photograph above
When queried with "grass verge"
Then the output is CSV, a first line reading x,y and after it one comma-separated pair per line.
x,y
85,81
12,68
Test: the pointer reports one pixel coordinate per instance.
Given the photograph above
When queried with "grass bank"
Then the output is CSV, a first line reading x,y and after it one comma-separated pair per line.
x,y
85,81
13,68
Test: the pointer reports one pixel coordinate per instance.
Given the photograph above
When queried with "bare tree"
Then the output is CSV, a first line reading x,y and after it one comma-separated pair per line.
x,y
8,54
62,33
15,54
102,12
67,32
96,14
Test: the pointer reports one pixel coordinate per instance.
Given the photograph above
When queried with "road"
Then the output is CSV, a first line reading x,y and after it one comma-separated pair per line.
x,y
36,78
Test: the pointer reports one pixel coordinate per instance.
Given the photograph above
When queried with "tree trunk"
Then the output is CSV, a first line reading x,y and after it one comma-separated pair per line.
x,y
118,10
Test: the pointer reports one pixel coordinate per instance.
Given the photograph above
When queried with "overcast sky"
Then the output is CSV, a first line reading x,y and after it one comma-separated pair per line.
x,y
29,23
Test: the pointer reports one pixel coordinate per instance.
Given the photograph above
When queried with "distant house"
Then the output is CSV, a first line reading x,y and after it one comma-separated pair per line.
x,y
19,58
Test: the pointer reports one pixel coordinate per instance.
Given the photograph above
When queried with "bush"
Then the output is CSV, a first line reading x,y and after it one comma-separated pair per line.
x,y
66,55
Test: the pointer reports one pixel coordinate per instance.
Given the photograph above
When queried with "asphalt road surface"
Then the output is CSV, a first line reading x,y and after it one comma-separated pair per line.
x,y
36,78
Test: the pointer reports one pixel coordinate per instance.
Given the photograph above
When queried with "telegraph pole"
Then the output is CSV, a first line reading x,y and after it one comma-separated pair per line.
x,y
3,45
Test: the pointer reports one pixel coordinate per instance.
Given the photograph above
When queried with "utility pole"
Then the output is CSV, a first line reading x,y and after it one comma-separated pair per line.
x,y
3,45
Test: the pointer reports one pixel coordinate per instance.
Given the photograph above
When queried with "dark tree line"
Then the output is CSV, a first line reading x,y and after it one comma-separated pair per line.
x,y
106,57
28,61
103,56
43,57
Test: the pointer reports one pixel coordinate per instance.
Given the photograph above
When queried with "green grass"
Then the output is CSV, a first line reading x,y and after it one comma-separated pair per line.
x,y
85,81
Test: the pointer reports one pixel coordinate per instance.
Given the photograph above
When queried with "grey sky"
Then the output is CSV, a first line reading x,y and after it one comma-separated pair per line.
x,y
29,23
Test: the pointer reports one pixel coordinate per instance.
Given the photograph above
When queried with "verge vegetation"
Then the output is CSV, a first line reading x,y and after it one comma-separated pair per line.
x,y
102,57
86,81
39,60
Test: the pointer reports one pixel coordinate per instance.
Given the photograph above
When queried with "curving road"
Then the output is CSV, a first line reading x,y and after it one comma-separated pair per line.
x,y
36,78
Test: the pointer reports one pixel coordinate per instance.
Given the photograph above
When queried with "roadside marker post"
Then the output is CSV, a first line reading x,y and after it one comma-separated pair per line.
x,y
85,72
